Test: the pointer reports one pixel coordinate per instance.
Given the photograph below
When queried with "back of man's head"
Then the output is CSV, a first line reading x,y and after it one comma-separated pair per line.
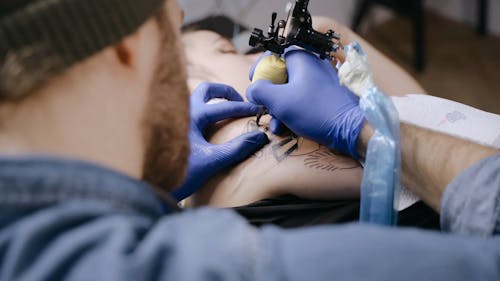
x,y
98,80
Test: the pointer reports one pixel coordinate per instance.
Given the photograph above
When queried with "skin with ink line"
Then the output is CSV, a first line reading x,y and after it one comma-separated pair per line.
x,y
316,158
279,168
309,170
328,161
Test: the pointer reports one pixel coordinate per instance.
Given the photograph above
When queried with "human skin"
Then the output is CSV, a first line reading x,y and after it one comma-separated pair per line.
x,y
313,171
264,175
215,58
389,77
310,171
428,177
99,110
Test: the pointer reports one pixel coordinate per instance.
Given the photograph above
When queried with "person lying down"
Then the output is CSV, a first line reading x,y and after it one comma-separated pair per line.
x,y
289,164
264,188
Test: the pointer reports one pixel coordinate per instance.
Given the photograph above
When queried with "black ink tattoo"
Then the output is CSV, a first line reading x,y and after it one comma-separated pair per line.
x,y
285,148
252,126
318,157
329,161
280,149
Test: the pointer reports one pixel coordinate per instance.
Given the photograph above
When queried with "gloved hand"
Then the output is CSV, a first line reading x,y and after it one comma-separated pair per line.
x,y
206,159
313,104
275,125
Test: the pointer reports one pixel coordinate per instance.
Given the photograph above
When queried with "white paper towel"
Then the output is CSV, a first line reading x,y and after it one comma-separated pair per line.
x,y
450,118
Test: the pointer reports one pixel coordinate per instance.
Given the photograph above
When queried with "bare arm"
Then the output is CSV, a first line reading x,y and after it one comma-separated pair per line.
x,y
431,160
390,78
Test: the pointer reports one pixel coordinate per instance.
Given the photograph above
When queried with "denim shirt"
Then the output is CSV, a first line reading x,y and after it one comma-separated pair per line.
x,y
471,203
68,220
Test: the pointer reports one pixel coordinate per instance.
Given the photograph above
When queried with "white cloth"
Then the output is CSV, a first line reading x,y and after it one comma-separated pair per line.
x,y
450,118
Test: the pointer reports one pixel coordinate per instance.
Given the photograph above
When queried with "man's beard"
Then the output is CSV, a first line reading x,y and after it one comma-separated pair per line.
x,y
166,121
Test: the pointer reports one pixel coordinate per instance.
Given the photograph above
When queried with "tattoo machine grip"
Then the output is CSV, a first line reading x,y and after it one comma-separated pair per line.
x,y
271,68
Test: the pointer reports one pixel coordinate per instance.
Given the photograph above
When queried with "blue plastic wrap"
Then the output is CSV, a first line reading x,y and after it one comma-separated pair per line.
x,y
381,180
382,168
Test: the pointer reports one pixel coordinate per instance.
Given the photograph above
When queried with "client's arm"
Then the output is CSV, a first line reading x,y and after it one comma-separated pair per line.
x,y
391,78
432,160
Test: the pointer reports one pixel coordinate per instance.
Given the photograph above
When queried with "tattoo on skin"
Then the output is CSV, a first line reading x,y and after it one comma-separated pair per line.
x,y
329,161
318,158
284,148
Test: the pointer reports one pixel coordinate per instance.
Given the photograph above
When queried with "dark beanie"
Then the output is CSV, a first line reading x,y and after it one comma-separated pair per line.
x,y
71,29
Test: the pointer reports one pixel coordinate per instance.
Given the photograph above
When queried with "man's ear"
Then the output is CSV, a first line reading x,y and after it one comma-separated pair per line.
x,y
138,51
126,51
123,54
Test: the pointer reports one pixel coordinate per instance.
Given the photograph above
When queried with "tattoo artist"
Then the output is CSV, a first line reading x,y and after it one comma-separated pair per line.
x,y
94,134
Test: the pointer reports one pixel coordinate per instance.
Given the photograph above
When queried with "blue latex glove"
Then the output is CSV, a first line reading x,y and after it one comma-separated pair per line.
x,y
206,159
313,104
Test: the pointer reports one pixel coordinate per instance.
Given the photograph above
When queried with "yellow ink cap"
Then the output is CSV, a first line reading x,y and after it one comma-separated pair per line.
x,y
271,68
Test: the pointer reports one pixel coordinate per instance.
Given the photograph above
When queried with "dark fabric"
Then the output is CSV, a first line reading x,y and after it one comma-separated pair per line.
x,y
221,25
9,6
291,212
72,29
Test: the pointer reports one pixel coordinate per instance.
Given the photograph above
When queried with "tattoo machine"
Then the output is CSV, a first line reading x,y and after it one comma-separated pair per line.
x,y
382,169
296,30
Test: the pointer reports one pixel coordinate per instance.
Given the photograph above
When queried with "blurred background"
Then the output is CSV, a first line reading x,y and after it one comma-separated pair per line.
x,y
452,47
